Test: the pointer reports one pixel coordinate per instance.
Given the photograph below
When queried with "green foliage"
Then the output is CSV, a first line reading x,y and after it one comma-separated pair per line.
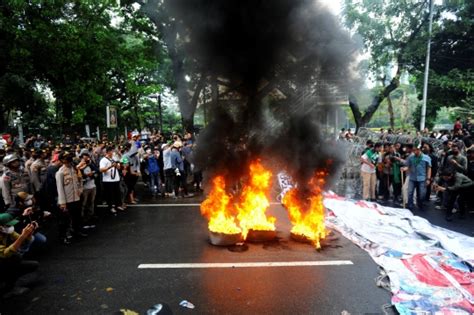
x,y
389,29
89,53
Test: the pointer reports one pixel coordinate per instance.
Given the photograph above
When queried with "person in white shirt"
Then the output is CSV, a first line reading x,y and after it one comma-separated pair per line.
x,y
111,180
168,169
368,171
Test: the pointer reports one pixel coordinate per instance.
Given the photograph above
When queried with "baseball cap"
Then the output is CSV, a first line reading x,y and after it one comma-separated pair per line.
x,y
7,219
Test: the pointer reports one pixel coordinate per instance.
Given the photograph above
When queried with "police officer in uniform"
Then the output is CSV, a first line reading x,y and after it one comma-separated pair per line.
x,y
38,171
14,180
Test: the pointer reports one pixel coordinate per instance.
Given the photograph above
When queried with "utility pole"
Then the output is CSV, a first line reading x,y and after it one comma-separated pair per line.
x,y
427,69
161,113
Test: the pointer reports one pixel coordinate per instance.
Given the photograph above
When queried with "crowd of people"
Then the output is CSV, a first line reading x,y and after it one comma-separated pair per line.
x,y
410,174
62,185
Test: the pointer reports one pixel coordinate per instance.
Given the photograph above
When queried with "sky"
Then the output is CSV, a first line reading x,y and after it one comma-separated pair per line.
x,y
334,5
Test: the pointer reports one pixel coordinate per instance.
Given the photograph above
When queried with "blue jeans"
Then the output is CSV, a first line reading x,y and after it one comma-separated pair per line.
x,y
420,188
38,239
155,181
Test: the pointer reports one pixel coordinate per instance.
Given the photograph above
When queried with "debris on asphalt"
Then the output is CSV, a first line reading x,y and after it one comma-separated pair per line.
x,y
160,309
35,299
186,304
109,289
128,312
238,248
104,306
344,312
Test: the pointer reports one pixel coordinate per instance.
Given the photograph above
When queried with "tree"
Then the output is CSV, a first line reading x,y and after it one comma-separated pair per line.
x,y
451,78
188,78
391,31
89,53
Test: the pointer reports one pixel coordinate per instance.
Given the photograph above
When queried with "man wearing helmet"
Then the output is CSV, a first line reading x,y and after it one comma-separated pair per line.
x,y
14,179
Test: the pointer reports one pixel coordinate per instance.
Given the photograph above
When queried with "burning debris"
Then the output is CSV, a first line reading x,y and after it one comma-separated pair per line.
x,y
254,203
306,211
256,50
218,209
231,223
253,223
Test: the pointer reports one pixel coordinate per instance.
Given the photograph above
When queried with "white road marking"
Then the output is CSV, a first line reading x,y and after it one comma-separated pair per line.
x,y
247,264
146,205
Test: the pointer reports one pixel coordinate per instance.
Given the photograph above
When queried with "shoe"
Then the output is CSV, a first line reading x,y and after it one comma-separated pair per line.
x,y
438,207
120,209
133,202
113,211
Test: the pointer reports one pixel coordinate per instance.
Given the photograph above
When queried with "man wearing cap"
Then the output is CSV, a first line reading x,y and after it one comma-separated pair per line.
x,y
89,171
69,186
14,180
419,172
38,171
12,266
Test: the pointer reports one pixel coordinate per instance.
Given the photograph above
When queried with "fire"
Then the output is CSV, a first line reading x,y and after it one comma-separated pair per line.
x,y
217,208
254,202
307,216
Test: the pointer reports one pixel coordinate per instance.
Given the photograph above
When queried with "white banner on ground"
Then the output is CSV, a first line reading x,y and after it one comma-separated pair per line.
x,y
429,267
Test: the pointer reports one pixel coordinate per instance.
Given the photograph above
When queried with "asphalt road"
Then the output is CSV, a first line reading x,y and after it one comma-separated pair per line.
x,y
100,275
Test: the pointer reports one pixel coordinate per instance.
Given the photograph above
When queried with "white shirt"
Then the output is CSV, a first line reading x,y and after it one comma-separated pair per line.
x,y
167,159
110,175
365,168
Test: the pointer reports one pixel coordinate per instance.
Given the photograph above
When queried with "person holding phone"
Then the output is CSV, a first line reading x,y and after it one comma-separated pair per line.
x,y
111,180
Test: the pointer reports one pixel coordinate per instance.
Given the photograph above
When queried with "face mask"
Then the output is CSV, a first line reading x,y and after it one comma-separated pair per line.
x,y
7,229
28,203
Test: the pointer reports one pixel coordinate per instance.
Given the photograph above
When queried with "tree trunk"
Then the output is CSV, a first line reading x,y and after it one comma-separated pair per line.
x,y
363,120
404,102
390,112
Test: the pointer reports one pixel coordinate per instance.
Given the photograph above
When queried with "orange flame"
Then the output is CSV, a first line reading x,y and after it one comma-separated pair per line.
x,y
307,222
217,209
254,202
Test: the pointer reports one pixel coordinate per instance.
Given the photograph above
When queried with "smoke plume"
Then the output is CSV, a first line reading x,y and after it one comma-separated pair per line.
x,y
283,59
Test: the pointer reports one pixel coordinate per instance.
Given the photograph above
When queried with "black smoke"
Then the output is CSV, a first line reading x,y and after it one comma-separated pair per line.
x,y
295,49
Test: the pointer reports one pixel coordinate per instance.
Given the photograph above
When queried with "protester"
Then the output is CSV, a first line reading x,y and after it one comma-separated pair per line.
x,y
111,180
89,172
154,171
12,264
458,188
369,160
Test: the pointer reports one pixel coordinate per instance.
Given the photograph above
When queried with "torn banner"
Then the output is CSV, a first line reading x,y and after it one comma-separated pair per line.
x,y
430,268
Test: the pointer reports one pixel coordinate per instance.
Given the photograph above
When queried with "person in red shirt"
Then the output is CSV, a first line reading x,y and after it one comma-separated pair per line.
x,y
457,124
